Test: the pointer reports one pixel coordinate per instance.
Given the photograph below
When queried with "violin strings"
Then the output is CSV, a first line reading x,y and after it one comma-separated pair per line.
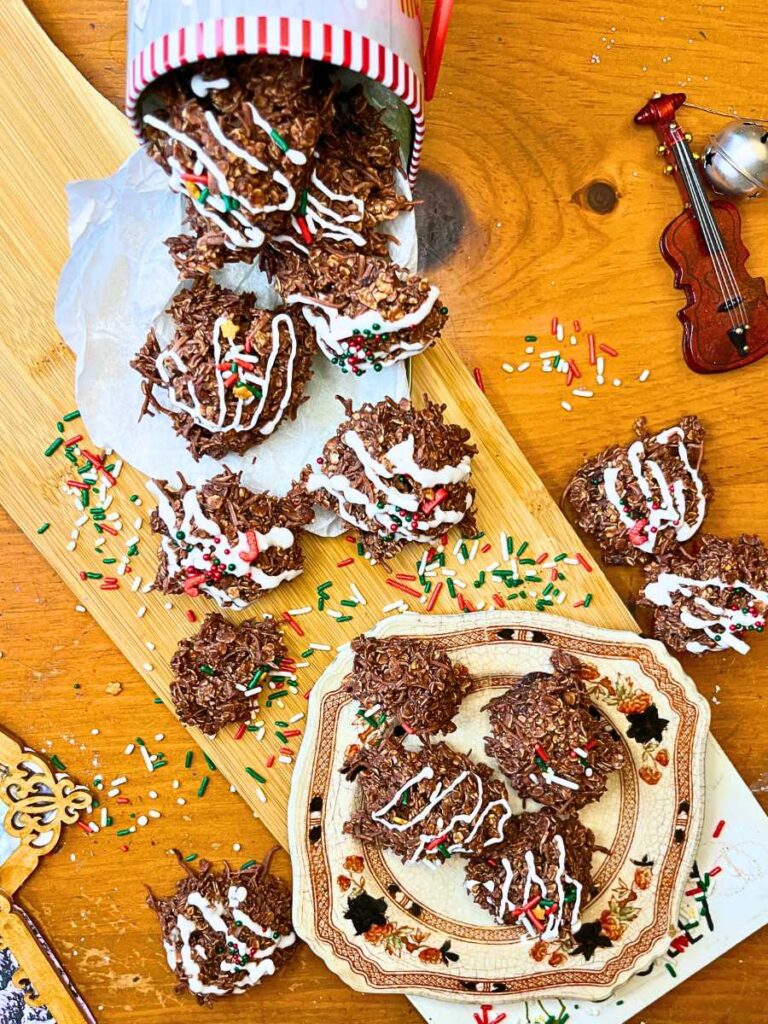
x,y
723,271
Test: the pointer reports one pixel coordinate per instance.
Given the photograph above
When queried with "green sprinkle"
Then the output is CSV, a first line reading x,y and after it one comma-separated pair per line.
x,y
209,762
58,763
282,737
256,677
324,586
94,575
159,764
360,550
276,694
140,741
671,970
427,586
207,670
303,202
255,775
123,832
189,858
279,141
451,587
308,653
548,589
158,700
281,725
510,545
53,446
444,850
560,557
587,600
85,500
203,785
43,527
108,561
527,561
344,618
522,549
348,604
69,416
248,864
133,550
531,337
188,758
134,498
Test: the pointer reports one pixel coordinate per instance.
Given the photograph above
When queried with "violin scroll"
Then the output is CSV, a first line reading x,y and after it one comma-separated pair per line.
x,y
660,109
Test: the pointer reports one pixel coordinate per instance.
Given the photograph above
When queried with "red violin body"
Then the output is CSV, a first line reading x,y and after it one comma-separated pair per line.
x,y
707,347
725,319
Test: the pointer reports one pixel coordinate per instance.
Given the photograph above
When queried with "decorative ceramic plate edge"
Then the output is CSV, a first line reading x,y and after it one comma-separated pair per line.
x,y
492,621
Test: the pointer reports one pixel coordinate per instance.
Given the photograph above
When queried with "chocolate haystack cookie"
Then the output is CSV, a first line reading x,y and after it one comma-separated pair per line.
x,y
351,189
547,742
707,600
225,931
364,310
237,136
539,877
231,373
397,473
427,804
412,681
219,672
227,542
641,500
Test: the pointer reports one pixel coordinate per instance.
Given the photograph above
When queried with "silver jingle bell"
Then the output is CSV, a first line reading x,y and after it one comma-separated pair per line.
x,y
736,160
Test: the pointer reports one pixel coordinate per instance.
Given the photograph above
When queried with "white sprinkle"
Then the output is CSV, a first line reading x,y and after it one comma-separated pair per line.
x,y
114,792
142,820
153,813
549,355
283,759
473,550
546,367
130,748
300,611
560,332
180,801
507,368
333,613
560,597
101,541
644,376
160,736
567,406
492,566
302,664
523,367
448,572
260,791
390,607
175,783
149,645
94,732
131,541
319,647
167,605
74,534
80,608
600,365
550,777
616,382
93,826
574,340
71,545
358,596
137,523
147,758
529,350
148,667
152,794
600,379
81,521
104,817
119,781
582,393
236,847
141,612
136,584
296,718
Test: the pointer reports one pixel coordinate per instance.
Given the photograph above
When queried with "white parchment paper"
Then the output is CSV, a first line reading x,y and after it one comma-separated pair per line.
x,y
118,280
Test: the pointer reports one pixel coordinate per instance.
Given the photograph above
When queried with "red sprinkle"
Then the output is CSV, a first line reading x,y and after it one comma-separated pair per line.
x,y
407,728
574,368
542,558
583,562
608,350
190,615
485,548
436,841
230,380
541,752
123,800
498,600
240,731
293,624
460,601
287,751
82,825
553,574
73,440
345,562
576,326
569,377
478,378
124,848
591,343
270,761
718,829
402,586
198,179
288,733
306,234
350,539
434,595
715,871
406,576
80,486
108,529
440,495
578,604
554,324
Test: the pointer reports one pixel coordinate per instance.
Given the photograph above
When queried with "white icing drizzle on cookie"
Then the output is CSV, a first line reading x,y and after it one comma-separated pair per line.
x,y
334,331
215,204
721,623
181,954
399,460
234,353
321,217
476,816
205,537
670,508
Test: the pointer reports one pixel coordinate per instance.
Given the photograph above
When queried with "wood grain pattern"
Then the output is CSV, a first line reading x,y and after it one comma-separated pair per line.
x,y
524,126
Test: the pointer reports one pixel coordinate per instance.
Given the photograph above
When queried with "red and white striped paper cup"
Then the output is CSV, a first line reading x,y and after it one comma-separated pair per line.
x,y
381,39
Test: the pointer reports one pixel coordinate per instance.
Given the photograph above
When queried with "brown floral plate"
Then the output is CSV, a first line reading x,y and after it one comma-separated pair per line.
x,y
384,926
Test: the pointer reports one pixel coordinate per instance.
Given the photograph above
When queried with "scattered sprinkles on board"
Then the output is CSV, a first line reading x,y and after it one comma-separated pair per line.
x,y
576,355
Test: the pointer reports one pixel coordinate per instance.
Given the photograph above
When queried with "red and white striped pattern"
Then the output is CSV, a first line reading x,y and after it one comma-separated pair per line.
x,y
278,35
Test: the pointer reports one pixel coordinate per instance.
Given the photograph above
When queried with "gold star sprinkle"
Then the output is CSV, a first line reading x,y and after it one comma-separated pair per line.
x,y
229,330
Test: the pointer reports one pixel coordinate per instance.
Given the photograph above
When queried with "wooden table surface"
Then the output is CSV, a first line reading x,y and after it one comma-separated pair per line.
x,y
541,200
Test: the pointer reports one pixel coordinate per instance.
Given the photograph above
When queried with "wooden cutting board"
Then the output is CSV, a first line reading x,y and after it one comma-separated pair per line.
x,y
55,128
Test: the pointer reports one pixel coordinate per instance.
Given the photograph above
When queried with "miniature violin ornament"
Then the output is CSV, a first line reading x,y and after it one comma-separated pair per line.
x,y
725,319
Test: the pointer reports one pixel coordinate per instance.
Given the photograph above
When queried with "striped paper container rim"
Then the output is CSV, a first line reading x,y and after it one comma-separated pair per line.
x,y
294,37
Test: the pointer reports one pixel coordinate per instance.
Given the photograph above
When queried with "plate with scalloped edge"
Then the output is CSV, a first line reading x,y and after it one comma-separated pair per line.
x,y
385,926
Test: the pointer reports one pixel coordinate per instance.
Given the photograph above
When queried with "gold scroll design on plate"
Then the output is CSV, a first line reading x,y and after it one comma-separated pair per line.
x,y
39,802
